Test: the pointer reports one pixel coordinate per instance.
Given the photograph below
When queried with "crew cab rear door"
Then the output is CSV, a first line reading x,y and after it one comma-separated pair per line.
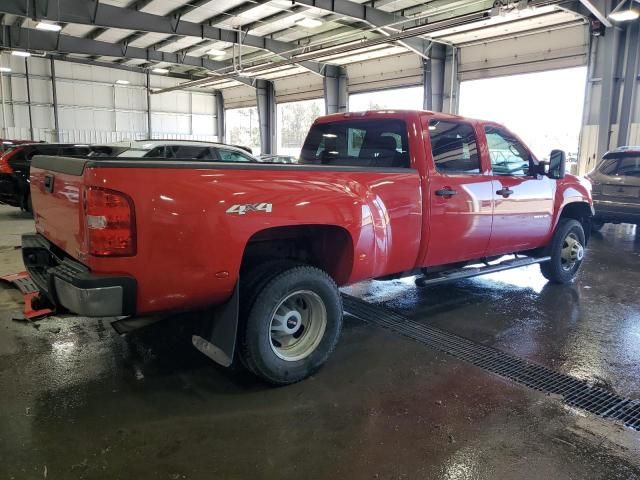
x,y
459,193
523,200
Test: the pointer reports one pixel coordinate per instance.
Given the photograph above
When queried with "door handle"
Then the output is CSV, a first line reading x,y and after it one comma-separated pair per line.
x,y
446,192
505,192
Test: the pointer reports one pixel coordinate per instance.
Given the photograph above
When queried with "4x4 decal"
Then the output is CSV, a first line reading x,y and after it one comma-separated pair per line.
x,y
242,208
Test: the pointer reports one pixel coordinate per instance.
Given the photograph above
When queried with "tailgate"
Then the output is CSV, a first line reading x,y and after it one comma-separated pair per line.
x,y
56,195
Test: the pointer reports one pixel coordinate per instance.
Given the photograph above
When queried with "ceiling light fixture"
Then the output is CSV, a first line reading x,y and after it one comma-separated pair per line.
x,y
625,14
49,27
215,53
20,53
5,69
123,82
161,71
308,22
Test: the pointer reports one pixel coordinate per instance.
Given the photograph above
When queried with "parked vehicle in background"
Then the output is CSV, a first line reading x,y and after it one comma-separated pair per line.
x,y
177,149
616,187
277,159
7,144
262,248
15,167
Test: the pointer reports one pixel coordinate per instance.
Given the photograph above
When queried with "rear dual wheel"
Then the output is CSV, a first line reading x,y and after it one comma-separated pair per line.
x,y
291,322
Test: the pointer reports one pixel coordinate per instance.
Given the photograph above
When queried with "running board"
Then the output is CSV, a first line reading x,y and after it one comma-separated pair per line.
x,y
468,272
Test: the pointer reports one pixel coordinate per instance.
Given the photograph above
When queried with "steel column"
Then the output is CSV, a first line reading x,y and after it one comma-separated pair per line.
x,y
54,96
335,89
608,103
629,93
266,100
433,79
149,131
219,123
451,87
26,72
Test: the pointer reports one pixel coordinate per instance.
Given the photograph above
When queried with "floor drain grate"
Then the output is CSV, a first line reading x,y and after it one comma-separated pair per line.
x,y
576,393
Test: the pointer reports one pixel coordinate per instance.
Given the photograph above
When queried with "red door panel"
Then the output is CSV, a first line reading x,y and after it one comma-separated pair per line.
x,y
523,219
460,223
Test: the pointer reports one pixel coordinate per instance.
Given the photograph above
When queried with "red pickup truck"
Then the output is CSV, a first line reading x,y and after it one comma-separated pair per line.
x,y
261,248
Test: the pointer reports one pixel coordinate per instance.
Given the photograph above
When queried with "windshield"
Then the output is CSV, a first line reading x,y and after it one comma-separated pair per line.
x,y
359,142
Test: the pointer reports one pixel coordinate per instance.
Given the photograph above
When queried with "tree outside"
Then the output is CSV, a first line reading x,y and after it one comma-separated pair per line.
x,y
294,121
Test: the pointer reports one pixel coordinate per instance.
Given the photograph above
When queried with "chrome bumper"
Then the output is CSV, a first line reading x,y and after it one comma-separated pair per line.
x,y
69,284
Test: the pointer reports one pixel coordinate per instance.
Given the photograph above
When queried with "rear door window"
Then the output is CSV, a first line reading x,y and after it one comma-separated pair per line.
x,y
629,167
358,143
188,151
233,156
454,147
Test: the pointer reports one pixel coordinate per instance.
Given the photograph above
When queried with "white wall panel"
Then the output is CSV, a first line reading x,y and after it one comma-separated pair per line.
x,y
131,122
40,90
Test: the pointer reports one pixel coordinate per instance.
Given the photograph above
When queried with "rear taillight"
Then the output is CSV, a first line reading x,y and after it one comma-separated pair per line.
x,y
111,223
5,167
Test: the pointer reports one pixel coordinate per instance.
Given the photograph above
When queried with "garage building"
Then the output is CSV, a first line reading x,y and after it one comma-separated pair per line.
x,y
500,376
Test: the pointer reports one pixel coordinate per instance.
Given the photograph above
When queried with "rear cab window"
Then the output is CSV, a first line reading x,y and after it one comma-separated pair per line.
x,y
358,143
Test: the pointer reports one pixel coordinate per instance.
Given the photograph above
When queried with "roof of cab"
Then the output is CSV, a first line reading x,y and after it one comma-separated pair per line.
x,y
388,113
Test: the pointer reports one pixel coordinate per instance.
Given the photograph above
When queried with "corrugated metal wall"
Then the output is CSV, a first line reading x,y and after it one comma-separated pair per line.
x,y
92,108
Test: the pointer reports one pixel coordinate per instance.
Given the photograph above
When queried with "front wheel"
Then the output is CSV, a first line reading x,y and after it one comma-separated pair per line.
x,y
292,326
566,251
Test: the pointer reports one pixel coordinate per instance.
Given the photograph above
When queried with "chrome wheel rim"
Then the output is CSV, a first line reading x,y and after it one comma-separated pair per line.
x,y
297,325
572,252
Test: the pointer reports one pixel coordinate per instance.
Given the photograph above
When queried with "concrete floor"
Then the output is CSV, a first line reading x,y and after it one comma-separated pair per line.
x,y
78,401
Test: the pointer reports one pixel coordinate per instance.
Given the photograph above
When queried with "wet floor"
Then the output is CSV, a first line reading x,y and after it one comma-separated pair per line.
x,y
79,401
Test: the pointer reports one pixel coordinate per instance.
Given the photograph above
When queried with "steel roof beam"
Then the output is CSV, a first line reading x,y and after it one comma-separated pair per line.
x,y
108,16
385,21
39,40
599,9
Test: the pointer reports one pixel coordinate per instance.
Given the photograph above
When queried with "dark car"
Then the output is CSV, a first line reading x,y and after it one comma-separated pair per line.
x,y
15,166
616,187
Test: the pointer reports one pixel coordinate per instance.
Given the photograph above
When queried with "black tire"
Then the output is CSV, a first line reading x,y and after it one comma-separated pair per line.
x,y
252,280
556,270
256,346
596,225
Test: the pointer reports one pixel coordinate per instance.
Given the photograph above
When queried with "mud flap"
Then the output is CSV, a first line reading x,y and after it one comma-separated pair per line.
x,y
218,337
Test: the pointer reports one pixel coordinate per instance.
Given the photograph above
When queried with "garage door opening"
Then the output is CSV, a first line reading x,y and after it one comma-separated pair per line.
x,y
544,109
243,128
409,98
294,120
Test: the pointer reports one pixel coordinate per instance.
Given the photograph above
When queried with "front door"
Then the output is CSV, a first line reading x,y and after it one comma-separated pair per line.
x,y
523,200
459,194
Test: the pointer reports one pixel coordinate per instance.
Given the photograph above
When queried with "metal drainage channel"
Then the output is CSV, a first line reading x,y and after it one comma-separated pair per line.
x,y
576,393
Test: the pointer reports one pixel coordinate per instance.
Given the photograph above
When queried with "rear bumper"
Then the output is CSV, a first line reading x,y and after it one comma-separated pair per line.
x,y
616,211
69,284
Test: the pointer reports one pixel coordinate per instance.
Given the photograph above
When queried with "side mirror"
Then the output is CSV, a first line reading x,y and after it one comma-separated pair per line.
x,y
542,167
557,164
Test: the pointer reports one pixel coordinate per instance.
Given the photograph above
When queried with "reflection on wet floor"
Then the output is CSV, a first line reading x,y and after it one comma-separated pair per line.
x,y
87,403
589,329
